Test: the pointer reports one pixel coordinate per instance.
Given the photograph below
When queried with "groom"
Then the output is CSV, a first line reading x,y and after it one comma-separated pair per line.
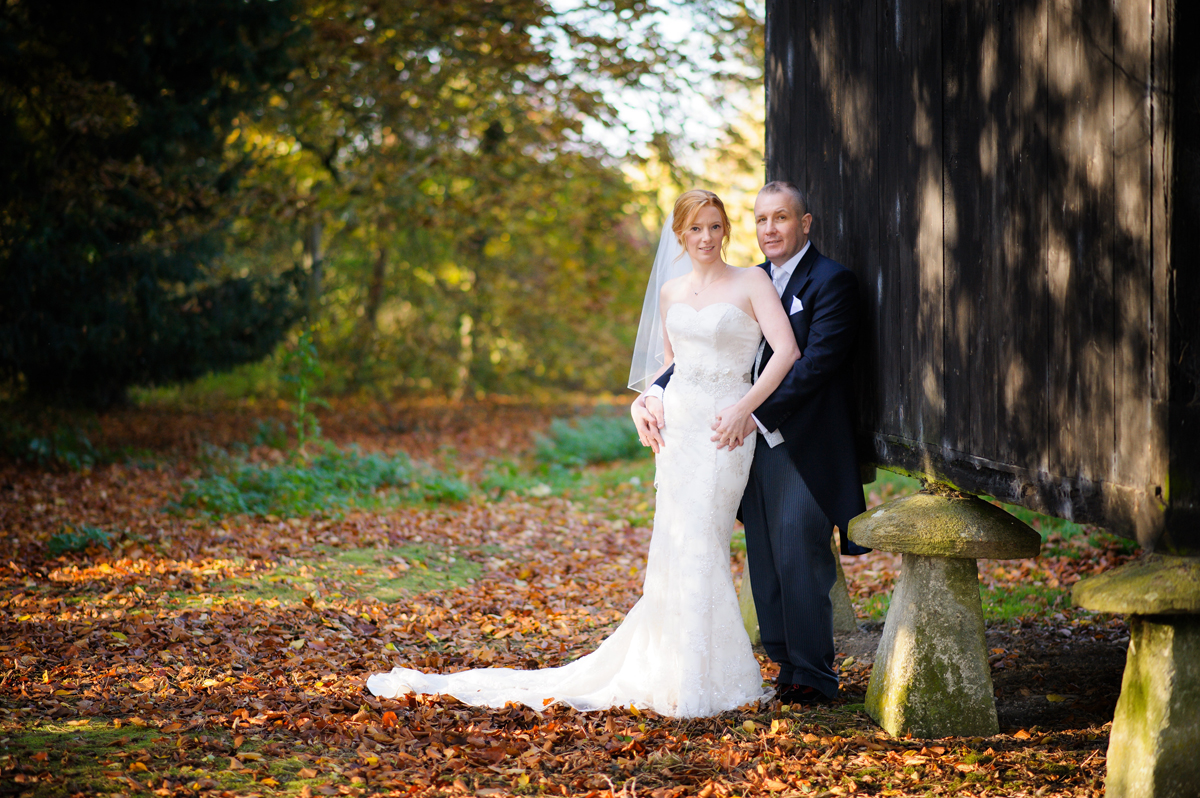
x,y
805,477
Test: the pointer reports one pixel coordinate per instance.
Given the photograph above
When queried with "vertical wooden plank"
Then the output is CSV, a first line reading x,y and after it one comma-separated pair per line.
x,y
857,217
961,245
1162,170
785,82
841,126
1132,257
1180,204
822,52
908,285
986,266
1081,238
1025,426
873,375
895,204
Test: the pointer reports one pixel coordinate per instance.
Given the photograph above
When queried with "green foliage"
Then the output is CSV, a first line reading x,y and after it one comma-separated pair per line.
x,y
113,120
501,477
303,370
329,483
77,539
595,439
65,445
427,163
270,432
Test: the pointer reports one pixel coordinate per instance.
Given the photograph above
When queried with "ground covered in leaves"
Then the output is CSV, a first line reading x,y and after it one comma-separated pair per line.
x,y
178,652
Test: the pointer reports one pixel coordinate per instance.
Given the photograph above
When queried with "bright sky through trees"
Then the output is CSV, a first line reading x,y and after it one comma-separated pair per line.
x,y
717,82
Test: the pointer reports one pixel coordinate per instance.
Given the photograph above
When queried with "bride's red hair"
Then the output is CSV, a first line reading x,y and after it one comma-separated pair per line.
x,y
691,203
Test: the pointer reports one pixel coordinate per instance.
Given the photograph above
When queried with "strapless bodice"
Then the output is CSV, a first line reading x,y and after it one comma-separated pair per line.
x,y
714,347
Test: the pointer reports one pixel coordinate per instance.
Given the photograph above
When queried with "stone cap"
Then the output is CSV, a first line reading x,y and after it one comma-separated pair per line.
x,y
1154,585
941,526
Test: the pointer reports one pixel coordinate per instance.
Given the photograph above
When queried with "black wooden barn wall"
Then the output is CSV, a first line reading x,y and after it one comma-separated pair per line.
x,y
999,175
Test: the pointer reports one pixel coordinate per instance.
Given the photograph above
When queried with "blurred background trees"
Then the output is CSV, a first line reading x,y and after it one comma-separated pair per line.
x,y
112,124
421,184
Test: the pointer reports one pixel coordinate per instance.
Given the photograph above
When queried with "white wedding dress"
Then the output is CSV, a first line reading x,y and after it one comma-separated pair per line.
x,y
682,650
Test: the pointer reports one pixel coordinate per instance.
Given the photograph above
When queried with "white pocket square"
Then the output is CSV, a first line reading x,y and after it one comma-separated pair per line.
x,y
797,306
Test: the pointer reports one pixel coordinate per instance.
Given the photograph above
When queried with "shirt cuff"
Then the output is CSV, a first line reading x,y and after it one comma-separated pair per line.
x,y
772,437
654,390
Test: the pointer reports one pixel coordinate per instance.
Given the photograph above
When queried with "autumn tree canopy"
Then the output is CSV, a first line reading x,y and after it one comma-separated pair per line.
x,y
417,180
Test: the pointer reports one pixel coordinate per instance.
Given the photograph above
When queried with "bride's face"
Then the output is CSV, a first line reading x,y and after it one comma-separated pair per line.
x,y
702,238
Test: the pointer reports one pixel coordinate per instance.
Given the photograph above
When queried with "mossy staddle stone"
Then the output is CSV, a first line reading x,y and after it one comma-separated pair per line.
x,y
1152,747
844,619
931,676
1154,585
940,526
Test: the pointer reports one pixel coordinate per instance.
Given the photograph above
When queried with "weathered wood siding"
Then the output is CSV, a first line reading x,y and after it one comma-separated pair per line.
x,y
999,173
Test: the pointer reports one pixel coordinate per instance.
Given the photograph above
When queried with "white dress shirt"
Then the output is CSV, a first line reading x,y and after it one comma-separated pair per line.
x,y
780,275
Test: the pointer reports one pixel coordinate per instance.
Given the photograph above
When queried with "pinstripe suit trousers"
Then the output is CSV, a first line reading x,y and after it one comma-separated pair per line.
x,y
791,570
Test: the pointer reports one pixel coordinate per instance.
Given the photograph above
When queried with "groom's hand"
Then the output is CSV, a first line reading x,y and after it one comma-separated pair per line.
x,y
731,428
648,417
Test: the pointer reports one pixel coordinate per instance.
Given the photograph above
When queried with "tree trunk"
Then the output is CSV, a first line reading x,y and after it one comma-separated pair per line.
x,y
312,254
369,326
374,298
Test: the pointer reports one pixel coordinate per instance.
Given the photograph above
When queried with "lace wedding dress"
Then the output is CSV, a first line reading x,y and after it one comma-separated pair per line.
x,y
682,650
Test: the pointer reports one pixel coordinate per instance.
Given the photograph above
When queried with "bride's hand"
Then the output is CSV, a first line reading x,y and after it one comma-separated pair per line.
x,y
648,417
733,425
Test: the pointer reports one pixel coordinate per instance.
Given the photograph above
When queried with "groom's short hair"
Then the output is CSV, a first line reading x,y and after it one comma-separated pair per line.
x,y
787,187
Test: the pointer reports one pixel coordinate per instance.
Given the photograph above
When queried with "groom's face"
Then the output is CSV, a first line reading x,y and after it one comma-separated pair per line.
x,y
781,226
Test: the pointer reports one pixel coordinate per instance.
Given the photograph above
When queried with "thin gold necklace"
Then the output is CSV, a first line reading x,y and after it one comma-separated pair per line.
x,y
705,288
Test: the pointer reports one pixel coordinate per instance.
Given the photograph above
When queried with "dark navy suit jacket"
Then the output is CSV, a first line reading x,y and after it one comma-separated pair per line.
x,y
812,407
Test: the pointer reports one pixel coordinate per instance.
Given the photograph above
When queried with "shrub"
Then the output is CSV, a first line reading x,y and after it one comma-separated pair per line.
x,y
66,446
77,539
270,432
330,482
595,439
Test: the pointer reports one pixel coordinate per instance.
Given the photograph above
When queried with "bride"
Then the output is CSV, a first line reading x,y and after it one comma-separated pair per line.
x,y
682,650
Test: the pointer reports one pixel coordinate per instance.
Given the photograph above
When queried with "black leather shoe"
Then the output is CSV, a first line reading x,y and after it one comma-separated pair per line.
x,y
802,695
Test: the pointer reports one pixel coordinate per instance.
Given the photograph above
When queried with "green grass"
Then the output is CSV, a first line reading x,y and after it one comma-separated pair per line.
x,y
99,757
249,383
875,608
386,574
1045,525
999,603
500,477
74,756
331,482
1022,601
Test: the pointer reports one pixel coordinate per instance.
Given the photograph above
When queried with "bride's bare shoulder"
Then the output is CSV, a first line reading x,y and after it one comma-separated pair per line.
x,y
752,275
673,290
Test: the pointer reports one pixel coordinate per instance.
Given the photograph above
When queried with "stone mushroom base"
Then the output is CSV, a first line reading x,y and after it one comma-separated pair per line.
x,y
1152,750
1154,747
931,675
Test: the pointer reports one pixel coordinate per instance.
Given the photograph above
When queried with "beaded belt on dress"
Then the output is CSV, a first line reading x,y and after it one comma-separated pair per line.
x,y
711,380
